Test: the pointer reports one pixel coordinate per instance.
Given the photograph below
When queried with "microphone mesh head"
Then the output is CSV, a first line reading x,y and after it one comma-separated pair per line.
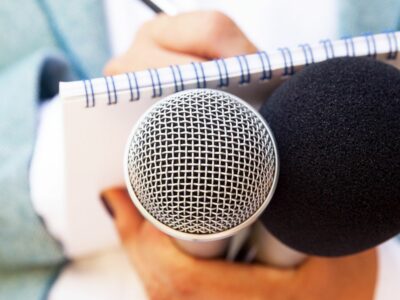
x,y
201,162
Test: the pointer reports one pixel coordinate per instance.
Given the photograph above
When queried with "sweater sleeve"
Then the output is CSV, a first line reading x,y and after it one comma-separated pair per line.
x,y
26,247
361,16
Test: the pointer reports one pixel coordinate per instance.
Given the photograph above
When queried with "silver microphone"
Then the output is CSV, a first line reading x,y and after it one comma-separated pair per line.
x,y
201,165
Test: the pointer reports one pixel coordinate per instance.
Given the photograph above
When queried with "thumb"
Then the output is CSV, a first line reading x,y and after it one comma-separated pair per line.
x,y
127,218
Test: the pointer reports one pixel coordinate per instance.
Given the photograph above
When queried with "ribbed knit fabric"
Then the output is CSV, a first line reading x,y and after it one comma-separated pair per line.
x,y
55,37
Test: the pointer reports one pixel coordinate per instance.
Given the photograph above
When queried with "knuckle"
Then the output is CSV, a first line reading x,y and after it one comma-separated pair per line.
x,y
156,291
144,29
217,24
219,19
125,232
110,69
175,280
153,294
113,67
183,281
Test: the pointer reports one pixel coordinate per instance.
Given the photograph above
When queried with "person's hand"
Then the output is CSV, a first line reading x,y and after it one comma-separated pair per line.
x,y
180,39
168,273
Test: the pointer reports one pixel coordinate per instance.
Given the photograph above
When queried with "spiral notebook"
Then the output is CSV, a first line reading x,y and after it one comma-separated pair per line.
x,y
99,114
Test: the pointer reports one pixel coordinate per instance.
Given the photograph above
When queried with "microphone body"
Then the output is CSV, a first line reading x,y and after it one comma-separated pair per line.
x,y
337,128
201,165
205,249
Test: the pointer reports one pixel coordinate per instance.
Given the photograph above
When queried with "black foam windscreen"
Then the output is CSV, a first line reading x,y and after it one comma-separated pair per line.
x,y
337,128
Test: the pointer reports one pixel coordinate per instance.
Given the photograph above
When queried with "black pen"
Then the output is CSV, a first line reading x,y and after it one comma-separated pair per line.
x,y
161,6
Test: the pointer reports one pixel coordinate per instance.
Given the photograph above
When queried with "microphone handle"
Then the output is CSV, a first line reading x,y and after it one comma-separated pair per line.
x,y
266,248
208,249
262,246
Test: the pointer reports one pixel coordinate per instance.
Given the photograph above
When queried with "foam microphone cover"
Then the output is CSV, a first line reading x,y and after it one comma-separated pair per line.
x,y
337,128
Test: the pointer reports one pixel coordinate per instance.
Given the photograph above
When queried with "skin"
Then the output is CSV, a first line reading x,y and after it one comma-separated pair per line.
x,y
167,272
181,39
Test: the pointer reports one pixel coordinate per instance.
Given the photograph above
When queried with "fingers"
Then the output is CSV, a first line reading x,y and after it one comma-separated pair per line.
x,y
348,277
166,270
215,279
142,57
128,220
181,39
208,34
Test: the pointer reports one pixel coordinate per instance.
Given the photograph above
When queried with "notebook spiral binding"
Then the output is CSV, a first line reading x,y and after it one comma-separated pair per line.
x,y
198,67
329,50
155,82
371,44
265,58
288,61
265,61
350,48
308,54
223,76
89,102
176,73
245,76
109,93
131,89
393,44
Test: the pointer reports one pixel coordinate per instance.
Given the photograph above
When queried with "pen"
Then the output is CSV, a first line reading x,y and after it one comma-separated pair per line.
x,y
161,6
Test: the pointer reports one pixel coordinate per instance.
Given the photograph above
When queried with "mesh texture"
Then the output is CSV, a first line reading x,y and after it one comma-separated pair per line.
x,y
201,162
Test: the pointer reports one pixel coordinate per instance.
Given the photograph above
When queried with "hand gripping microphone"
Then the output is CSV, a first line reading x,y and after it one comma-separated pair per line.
x,y
201,165
337,128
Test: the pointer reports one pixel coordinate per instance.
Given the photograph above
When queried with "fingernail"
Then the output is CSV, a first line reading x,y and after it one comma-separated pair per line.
x,y
107,206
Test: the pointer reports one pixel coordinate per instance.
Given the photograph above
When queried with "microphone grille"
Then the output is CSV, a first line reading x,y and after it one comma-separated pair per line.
x,y
201,162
